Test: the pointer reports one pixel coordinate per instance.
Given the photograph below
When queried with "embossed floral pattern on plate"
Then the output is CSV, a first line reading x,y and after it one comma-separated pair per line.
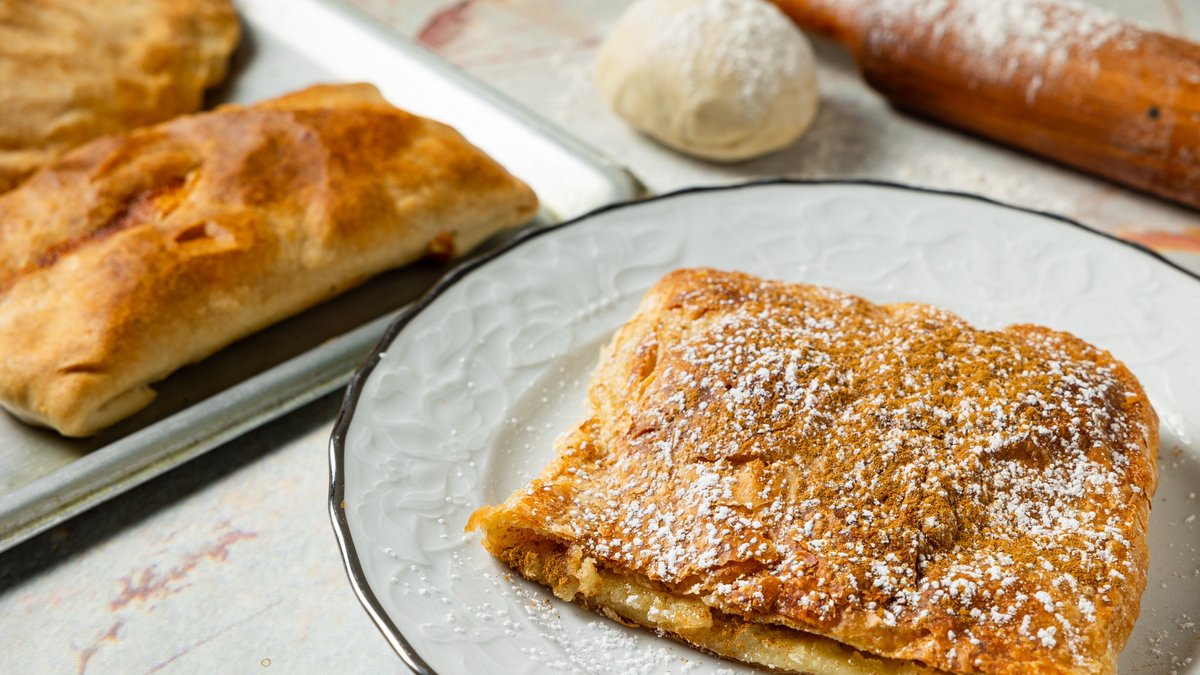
x,y
463,404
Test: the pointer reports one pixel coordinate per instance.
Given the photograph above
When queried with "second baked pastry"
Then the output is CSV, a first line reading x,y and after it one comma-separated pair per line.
x,y
74,70
136,254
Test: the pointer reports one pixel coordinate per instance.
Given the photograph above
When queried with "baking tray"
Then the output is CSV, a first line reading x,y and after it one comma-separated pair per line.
x,y
288,44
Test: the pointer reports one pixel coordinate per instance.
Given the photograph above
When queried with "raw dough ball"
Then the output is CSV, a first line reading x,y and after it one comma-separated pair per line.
x,y
720,79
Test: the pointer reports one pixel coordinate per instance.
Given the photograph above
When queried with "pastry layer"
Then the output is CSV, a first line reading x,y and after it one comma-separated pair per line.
x,y
136,254
75,70
632,600
886,476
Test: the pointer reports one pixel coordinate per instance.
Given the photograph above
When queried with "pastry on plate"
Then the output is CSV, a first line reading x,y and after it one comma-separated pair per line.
x,y
801,479
135,254
74,70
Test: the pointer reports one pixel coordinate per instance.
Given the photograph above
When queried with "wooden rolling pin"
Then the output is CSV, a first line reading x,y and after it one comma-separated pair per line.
x,y
1068,82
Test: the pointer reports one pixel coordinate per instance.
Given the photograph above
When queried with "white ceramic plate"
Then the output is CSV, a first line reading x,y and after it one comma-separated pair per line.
x,y
464,397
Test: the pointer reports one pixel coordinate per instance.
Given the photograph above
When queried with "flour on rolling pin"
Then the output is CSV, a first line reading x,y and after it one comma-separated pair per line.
x,y
1030,39
1068,82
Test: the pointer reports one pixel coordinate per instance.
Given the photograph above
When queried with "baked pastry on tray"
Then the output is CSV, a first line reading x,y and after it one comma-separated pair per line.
x,y
136,254
74,70
800,479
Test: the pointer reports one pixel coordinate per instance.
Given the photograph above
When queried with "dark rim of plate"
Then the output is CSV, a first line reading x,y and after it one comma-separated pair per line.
x,y
337,442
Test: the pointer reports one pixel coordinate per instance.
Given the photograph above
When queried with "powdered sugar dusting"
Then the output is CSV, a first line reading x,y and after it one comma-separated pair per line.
x,y
793,451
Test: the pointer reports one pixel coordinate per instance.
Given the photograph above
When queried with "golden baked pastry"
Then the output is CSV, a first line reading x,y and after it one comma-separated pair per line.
x,y
74,70
798,478
133,255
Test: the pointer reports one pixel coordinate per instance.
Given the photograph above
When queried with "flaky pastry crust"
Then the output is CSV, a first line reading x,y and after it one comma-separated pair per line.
x,y
886,477
136,254
75,70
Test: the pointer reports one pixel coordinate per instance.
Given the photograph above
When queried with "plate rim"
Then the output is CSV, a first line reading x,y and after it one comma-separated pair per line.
x,y
337,441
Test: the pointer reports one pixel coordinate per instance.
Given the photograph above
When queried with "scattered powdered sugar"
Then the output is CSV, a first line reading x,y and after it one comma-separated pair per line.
x,y
800,451
538,628
598,647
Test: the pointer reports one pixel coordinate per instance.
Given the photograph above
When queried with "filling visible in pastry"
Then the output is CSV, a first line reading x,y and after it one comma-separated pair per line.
x,y
797,478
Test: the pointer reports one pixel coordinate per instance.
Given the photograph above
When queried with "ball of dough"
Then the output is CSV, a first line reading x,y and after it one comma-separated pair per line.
x,y
721,79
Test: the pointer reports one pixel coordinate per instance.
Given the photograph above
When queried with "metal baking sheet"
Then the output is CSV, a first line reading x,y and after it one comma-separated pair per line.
x,y
288,44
